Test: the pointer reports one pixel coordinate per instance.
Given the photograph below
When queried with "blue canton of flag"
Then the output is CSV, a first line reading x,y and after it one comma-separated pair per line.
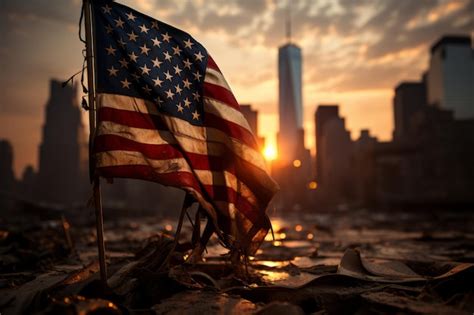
x,y
141,57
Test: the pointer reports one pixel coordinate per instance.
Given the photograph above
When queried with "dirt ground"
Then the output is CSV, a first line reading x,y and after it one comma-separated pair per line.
x,y
341,262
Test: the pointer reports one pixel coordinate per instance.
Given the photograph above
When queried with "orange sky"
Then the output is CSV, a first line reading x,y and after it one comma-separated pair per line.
x,y
354,54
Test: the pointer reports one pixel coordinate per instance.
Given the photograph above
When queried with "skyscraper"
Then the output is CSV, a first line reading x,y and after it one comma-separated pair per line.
x,y
451,76
292,169
62,170
323,114
410,97
335,179
290,102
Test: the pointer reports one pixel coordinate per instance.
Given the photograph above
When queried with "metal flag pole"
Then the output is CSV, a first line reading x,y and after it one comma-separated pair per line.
x,y
99,217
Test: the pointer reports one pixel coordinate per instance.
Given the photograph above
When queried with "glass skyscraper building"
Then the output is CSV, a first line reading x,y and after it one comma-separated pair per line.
x,y
451,76
290,101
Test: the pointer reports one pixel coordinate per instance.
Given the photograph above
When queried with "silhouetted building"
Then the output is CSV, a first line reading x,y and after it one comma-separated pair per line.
x,y
290,103
292,169
428,163
364,169
252,118
28,183
433,167
62,173
409,98
433,162
451,76
7,177
336,180
8,185
393,174
323,114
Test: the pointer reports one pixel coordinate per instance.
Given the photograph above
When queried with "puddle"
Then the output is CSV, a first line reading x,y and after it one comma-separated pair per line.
x,y
281,278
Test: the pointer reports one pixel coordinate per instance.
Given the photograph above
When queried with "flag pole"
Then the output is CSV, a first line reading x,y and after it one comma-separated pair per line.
x,y
99,217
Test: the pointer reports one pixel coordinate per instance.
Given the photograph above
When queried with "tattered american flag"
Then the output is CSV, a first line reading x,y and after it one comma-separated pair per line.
x,y
166,114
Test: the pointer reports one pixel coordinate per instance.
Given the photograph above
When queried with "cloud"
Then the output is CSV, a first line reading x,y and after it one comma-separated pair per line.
x,y
393,23
39,41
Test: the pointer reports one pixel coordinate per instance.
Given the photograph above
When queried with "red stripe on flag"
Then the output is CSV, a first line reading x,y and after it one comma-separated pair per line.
x,y
154,122
218,193
180,179
131,119
221,94
105,143
145,172
232,129
248,173
212,64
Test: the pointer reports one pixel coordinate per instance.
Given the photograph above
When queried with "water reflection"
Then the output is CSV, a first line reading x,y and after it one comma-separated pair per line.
x,y
273,276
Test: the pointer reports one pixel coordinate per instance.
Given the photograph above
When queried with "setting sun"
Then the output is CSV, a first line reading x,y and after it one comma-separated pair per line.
x,y
270,152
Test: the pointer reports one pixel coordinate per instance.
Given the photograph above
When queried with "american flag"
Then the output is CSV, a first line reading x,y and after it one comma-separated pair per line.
x,y
166,114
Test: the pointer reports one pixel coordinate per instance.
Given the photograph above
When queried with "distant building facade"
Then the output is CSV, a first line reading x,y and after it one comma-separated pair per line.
x,y
451,76
28,183
7,177
364,171
8,184
409,98
323,114
433,167
62,172
428,163
430,159
252,118
335,180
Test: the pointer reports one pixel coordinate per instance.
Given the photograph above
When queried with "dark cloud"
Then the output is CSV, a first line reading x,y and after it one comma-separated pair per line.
x,y
247,23
389,23
373,77
392,21
211,18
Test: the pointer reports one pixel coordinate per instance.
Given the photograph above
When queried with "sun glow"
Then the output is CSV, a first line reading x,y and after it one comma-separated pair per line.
x,y
270,152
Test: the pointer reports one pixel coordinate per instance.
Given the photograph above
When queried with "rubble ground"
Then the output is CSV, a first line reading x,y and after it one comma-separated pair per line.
x,y
351,262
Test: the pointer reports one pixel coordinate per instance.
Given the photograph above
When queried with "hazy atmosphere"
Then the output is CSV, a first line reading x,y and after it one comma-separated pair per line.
x,y
354,53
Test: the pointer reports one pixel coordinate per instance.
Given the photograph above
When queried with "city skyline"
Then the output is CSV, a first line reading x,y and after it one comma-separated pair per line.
x,y
347,60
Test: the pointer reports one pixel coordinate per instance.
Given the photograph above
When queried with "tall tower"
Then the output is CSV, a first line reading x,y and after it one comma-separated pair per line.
x,y
61,175
292,169
290,136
